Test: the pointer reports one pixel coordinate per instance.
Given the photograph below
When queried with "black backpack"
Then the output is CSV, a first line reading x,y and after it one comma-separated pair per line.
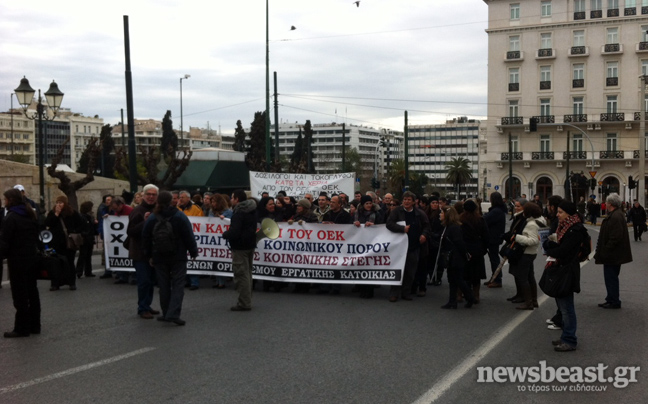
x,y
585,248
164,241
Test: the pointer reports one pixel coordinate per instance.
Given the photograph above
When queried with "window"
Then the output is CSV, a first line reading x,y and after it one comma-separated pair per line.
x,y
77,128
577,143
514,43
612,4
579,6
545,7
644,33
545,40
611,142
25,137
515,11
514,79
611,104
612,35
612,69
579,105
630,3
545,144
596,5
644,67
545,107
514,144
545,73
579,38
579,71
513,108
646,104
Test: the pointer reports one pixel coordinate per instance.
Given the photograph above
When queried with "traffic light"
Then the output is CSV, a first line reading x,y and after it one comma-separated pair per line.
x,y
593,183
631,183
374,184
533,124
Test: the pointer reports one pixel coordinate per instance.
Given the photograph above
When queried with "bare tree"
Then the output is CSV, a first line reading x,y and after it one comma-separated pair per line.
x,y
66,185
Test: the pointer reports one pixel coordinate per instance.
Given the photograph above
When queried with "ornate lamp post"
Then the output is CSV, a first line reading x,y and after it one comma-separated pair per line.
x,y
54,96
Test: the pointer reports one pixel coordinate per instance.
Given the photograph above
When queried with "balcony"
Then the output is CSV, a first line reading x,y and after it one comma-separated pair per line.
x,y
545,85
514,87
575,155
635,154
616,154
613,117
542,155
515,155
575,118
578,83
513,55
579,15
545,118
612,48
613,12
578,51
630,11
611,81
637,116
596,14
642,47
545,53
512,120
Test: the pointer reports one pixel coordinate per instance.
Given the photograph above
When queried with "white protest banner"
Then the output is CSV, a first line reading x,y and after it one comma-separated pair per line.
x,y
311,252
298,185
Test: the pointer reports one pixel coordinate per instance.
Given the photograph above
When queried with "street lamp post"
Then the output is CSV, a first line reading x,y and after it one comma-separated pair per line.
x,y
186,76
54,96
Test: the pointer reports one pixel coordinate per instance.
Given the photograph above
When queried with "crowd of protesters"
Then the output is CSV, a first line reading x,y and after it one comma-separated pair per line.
x,y
443,237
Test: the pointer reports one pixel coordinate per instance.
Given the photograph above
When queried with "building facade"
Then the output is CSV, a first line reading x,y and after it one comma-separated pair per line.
x,y
16,137
433,147
376,147
572,67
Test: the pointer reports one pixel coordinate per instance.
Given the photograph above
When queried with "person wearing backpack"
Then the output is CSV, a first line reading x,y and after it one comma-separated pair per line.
x,y
242,240
144,271
166,238
613,249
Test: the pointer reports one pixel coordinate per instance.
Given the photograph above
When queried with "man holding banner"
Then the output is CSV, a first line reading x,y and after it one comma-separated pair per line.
x,y
417,228
242,240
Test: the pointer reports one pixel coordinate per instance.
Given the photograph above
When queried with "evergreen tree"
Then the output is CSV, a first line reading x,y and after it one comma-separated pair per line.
x,y
107,157
256,144
169,138
308,147
297,158
239,137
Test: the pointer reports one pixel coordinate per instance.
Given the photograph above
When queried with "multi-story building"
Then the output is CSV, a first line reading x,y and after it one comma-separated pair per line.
x,y
16,137
376,147
81,129
573,66
432,147
148,134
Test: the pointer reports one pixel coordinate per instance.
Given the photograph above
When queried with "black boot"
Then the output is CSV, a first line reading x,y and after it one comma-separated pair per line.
x,y
528,303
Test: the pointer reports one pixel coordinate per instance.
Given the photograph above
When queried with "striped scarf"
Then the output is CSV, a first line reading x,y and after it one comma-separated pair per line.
x,y
566,224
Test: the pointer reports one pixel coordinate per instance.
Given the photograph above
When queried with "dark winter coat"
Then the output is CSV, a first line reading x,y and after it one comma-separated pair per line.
x,y
134,230
184,235
496,223
74,223
613,246
242,231
18,239
566,252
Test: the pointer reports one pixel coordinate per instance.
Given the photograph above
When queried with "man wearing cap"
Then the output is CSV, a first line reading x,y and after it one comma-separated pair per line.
x,y
22,191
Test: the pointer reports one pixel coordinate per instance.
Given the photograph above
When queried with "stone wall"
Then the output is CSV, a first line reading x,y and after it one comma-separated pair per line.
x,y
27,175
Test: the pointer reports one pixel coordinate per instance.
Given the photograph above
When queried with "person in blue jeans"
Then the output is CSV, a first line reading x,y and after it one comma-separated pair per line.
x,y
613,249
145,272
563,246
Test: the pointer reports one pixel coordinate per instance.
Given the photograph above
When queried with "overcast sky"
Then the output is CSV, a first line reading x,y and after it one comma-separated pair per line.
x,y
361,65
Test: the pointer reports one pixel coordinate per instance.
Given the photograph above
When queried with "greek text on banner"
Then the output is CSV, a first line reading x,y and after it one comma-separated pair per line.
x,y
317,253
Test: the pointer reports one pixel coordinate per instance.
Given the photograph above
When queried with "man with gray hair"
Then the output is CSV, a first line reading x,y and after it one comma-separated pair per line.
x,y
613,249
145,272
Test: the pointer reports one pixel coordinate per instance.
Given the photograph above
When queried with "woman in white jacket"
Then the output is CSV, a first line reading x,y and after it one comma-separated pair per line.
x,y
523,269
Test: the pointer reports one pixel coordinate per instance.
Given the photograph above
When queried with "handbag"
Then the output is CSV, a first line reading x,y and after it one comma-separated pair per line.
x,y
559,280
512,251
74,240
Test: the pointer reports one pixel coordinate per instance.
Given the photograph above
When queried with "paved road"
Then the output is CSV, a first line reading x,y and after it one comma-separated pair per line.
x,y
316,348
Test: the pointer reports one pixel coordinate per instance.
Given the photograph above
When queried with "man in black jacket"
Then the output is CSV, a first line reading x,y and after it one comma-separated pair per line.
x,y
417,228
242,240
